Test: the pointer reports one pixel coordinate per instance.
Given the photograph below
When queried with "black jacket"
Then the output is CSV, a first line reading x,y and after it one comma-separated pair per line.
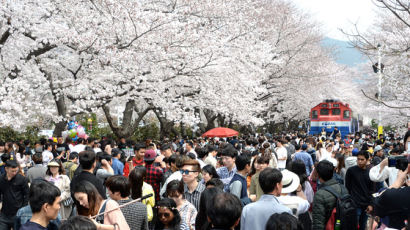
x,y
360,187
394,204
90,178
15,194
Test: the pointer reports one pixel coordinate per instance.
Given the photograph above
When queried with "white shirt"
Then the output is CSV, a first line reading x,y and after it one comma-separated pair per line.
x,y
295,202
210,160
325,155
282,152
201,163
47,157
97,150
174,176
350,161
78,148
388,172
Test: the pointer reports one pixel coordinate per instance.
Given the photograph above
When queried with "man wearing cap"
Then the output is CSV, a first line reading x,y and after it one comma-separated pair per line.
x,y
154,174
351,160
291,183
305,157
378,155
255,215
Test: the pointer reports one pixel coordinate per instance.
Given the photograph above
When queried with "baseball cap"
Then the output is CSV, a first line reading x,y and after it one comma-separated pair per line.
x,y
355,151
150,155
377,148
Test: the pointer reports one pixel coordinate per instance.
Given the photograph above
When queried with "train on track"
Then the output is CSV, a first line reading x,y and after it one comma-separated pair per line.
x,y
330,114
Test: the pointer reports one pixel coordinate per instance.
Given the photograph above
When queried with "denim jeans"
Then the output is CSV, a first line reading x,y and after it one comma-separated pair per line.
x,y
362,218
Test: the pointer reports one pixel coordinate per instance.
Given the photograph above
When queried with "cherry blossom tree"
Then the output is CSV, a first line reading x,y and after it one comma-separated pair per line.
x,y
389,38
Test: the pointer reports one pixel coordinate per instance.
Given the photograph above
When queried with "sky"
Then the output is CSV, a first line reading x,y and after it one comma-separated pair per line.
x,y
335,14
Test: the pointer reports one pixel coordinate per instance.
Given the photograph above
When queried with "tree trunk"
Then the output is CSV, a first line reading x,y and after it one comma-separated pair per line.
x,y
210,119
59,128
182,126
221,120
62,111
128,126
166,127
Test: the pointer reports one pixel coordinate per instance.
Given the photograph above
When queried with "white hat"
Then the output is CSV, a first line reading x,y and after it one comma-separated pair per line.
x,y
377,148
290,181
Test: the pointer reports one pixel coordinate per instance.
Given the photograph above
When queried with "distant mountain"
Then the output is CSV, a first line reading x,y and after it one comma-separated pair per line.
x,y
344,54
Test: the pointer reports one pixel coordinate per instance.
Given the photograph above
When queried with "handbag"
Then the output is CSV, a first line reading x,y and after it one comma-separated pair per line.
x,y
67,202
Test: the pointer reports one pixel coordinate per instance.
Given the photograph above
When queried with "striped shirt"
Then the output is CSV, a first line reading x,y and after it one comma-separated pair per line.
x,y
195,196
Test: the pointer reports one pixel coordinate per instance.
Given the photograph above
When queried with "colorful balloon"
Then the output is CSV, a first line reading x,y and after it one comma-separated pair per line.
x,y
72,133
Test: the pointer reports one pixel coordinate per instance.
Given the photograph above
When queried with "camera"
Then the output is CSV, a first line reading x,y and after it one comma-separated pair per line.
x,y
400,162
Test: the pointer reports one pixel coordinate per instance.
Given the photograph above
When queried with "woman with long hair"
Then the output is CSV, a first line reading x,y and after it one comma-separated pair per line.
x,y
139,189
167,216
299,168
319,150
341,167
209,172
254,166
201,222
90,203
188,212
56,174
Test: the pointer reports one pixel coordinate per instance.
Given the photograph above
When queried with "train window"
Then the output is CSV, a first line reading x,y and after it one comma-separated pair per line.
x,y
335,111
314,114
324,112
324,105
346,114
336,106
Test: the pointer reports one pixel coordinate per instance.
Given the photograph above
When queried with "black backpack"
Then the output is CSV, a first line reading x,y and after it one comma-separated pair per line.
x,y
345,208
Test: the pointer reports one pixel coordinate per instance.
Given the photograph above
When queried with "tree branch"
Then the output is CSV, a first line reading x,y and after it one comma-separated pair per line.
x,y
385,104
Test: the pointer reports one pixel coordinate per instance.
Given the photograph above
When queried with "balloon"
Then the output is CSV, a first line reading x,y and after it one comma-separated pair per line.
x,y
55,139
80,130
72,125
75,138
72,133
82,135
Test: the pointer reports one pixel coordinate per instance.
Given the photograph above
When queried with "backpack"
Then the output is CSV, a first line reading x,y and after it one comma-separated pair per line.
x,y
67,166
345,210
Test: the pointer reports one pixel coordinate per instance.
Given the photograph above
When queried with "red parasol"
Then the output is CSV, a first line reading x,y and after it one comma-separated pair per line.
x,y
220,132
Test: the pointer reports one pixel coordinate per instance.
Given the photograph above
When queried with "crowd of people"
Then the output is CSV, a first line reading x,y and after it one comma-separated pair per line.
x,y
256,182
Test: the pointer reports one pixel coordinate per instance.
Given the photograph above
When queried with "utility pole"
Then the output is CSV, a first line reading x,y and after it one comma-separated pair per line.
x,y
380,74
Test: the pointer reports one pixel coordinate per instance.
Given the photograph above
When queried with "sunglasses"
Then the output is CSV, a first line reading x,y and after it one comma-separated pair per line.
x,y
186,172
166,215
